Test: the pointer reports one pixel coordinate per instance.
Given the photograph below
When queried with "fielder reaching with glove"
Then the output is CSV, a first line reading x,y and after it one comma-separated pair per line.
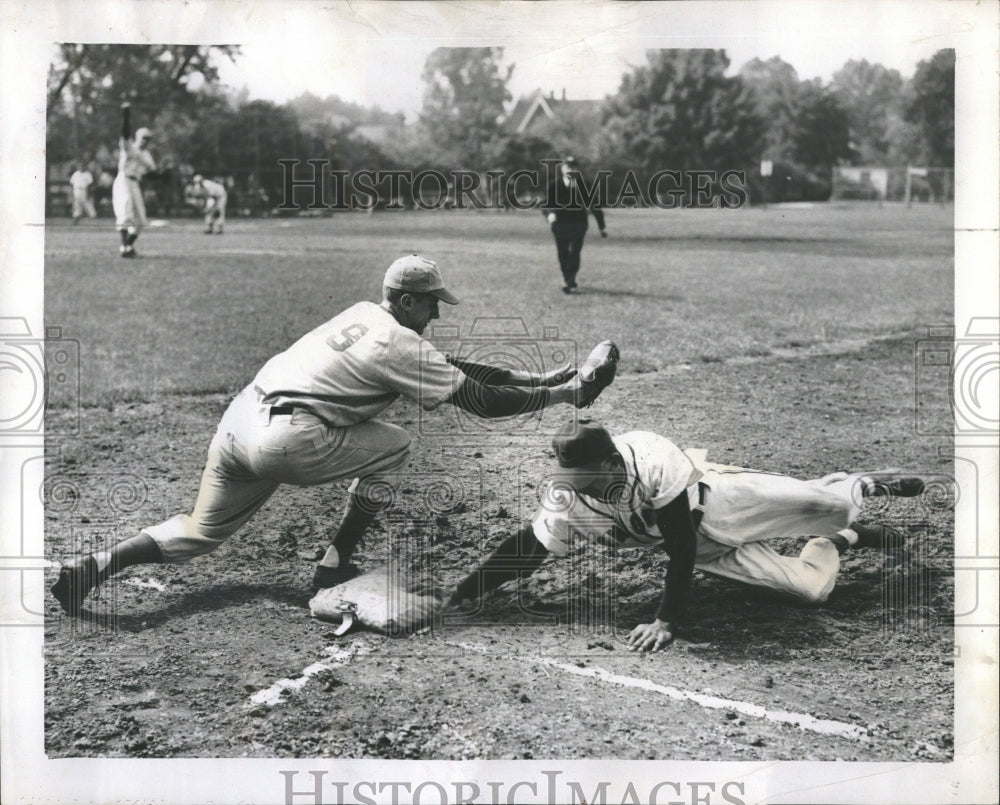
x,y
308,417
134,162
639,489
211,197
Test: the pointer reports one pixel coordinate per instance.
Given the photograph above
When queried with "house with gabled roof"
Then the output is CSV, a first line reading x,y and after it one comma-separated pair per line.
x,y
571,126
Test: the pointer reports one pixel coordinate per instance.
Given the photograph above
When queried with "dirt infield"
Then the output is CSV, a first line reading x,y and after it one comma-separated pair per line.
x,y
219,658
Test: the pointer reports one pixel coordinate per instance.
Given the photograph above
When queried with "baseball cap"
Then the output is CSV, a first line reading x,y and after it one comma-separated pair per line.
x,y
569,160
417,274
143,132
582,442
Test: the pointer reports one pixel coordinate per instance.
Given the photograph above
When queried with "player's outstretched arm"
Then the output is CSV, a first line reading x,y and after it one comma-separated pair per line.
x,y
126,121
519,555
674,522
497,376
490,401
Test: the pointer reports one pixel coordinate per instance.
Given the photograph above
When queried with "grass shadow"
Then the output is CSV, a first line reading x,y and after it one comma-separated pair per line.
x,y
616,292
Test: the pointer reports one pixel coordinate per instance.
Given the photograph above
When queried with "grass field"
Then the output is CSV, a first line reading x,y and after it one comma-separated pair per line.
x,y
782,339
200,314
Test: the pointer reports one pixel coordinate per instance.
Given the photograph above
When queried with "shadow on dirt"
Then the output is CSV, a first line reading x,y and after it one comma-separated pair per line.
x,y
213,599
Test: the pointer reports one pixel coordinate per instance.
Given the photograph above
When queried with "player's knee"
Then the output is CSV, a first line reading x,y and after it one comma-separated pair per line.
x,y
398,440
828,508
813,596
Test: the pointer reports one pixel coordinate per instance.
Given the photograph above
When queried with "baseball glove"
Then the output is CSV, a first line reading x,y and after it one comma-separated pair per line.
x,y
597,372
380,600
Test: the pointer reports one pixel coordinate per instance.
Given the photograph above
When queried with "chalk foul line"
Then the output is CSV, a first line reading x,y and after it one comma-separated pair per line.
x,y
801,720
343,655
338,656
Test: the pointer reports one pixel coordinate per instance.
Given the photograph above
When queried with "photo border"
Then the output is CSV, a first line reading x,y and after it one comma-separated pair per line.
x,y
28,33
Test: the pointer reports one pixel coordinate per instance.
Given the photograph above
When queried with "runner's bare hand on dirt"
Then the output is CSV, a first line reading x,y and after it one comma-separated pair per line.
x,y
650,636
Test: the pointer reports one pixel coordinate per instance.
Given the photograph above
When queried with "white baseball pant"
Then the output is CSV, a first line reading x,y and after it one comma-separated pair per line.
x,y
255,451
82,205
128,204
215,211
742,508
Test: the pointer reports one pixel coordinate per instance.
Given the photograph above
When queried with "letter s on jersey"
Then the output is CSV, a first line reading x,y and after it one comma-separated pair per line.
x,y
348,336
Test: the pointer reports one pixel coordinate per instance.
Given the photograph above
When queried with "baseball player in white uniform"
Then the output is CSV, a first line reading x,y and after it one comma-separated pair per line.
x,y
80,182
212,198
639,489
134,162
309,417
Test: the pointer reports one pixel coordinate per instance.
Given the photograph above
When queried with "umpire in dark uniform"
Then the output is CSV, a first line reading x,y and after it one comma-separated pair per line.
x,y
567,213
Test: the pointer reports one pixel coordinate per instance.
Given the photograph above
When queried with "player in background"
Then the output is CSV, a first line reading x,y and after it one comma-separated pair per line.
x,y
134,162
211,197
80,181
308,417
640,490
567,212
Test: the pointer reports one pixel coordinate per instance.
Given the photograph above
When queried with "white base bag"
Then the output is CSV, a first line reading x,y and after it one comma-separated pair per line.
x,y
382,599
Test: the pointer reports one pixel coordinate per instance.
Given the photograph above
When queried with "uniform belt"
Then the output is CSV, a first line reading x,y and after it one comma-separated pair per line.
x,y
282,410
133,178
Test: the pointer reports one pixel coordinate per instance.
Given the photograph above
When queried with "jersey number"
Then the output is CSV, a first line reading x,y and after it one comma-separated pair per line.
x,y
348,336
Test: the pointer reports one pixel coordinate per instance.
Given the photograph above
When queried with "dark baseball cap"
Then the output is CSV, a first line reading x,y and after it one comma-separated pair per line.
x,y
582,441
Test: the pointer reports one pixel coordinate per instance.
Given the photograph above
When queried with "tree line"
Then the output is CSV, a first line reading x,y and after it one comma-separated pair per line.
x,y
680,110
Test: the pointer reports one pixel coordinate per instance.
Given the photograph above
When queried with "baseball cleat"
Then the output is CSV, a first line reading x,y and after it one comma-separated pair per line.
x,y
891,482
128,252
840,543
567,290
880,537
73,584
332,576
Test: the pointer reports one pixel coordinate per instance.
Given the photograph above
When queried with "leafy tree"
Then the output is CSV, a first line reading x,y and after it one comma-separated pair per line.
x,y
872,96
464,103
316,113
930,106
680,111
821,133
88,82
84,74
525,152
774,85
